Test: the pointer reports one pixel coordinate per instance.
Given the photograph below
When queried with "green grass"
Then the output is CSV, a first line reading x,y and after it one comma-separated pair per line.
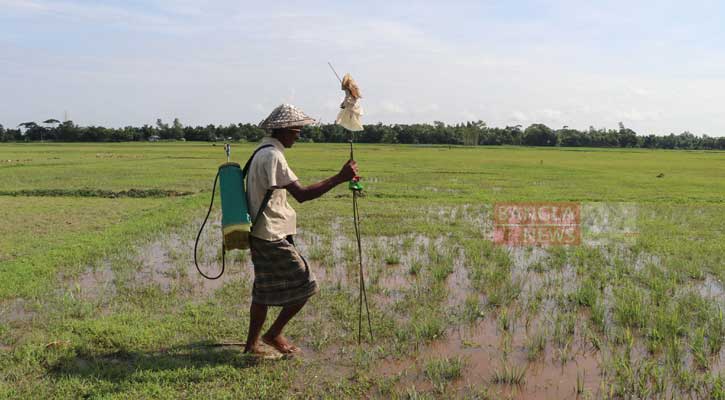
x,y
444,369
535,345
639,304
509,375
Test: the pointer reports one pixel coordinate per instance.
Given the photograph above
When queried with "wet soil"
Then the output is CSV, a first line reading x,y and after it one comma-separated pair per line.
x,y
166,262
484,346
15,311
96,282
481,349
169,264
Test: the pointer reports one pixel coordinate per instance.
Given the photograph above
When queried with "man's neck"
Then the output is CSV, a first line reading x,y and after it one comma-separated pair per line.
x,y
273,140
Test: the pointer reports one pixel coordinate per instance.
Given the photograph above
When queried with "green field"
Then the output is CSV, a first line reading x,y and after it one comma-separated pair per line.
x,y
99,297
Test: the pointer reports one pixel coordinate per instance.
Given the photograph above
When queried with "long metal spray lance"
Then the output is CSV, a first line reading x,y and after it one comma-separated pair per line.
x,y
356,189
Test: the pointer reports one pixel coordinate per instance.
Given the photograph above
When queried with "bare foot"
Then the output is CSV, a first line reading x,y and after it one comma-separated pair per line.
x,y
280,344
253,349
259,352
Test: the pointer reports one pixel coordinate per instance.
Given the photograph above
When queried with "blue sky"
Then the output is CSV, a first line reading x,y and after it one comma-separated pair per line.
x,y
657,66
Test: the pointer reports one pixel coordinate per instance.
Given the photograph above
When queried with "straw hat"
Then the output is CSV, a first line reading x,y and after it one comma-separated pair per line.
x,y
286,116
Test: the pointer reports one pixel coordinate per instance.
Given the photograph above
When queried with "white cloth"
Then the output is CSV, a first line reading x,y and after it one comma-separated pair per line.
x,y
349,116
269,169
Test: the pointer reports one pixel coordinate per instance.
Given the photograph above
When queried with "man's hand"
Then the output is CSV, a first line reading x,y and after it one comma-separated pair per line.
x,y
348,171
302,194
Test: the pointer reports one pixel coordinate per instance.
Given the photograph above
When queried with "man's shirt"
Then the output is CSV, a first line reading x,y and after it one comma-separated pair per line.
x,y
269,170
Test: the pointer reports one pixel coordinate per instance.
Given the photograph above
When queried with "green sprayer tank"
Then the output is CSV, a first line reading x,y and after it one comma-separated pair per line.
x,y
235,213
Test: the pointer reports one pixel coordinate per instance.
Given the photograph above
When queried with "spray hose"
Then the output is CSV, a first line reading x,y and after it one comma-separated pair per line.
x,y
196,243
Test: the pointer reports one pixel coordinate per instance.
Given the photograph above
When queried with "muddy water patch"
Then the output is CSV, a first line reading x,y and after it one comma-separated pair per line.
x,y
458,283
711,287
527,258
392,264
609,223
16,310
95,282
487,350
169,264
477,217
387,261
166,262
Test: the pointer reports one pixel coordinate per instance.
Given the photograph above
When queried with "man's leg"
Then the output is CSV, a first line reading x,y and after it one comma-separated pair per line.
x,y
257,315
274,336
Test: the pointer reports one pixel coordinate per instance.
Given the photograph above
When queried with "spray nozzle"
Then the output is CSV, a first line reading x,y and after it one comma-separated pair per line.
x,y
355,184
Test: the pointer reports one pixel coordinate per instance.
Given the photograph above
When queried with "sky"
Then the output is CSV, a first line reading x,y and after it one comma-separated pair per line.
x,y
656,66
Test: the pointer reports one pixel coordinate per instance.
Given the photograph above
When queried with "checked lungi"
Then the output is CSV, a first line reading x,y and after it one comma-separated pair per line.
x,y
281,275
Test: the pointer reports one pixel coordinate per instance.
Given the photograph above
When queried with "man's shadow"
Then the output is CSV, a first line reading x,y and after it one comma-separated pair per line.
x,y
119,367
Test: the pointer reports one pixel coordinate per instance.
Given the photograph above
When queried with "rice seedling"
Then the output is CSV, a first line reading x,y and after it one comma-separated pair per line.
x,y
428,326
587,294
564,328
314,253
593,339
630,306
472,310
505,293
698,348
717,388
564,352
653,340
715,331
535,345
392,258
386,386
408,243
580,376
506,345
674,353
504,323
415,267
444,369
509,374
628,341
539,267
558,258
534,302
686,380
668,321
413,394
440,272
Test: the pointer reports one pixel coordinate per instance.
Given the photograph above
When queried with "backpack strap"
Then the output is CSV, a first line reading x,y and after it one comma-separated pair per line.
x,y
262,207
249,162
267,195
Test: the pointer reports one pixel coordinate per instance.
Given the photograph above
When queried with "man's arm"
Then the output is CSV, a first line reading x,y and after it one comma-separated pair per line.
x,y
315,190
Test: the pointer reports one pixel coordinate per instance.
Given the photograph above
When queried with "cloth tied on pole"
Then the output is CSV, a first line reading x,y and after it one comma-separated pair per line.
x,y
349,116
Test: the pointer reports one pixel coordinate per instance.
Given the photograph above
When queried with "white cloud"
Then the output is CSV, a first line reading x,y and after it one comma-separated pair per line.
x,y
638,115
640,91
519,116
550,115
390,107
22,5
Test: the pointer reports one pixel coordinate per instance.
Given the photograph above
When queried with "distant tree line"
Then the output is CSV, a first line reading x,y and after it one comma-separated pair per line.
x,y
469,133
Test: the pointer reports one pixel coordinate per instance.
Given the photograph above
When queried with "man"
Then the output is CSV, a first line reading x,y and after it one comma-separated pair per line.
x,y
281,275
